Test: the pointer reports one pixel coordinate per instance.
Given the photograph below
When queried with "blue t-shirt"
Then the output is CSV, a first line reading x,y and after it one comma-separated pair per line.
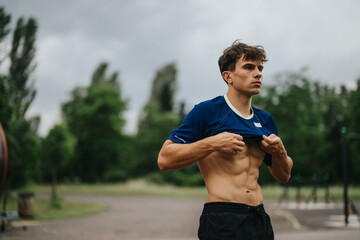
x,y
218,115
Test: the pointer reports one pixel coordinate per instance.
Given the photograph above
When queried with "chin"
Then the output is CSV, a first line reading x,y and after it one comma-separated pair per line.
x,y
256,92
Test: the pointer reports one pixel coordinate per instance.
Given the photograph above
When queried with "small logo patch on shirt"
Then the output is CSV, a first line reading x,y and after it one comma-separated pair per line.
x,y
257,124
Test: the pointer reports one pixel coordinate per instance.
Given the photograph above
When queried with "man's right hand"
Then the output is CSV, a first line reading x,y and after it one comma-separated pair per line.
x,y
228,142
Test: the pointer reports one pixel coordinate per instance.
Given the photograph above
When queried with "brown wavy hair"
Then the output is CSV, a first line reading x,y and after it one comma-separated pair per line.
x,y
238,50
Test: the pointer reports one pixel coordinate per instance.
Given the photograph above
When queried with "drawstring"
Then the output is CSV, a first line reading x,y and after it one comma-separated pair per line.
x,y
257,209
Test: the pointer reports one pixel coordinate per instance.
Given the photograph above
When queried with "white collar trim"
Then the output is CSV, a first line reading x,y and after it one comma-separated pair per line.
x,y
236,111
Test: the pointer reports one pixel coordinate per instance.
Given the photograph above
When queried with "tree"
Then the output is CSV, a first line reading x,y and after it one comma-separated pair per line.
x,y
57,150
21,57
157,119
295,104
17,94
94,116
99,75
353,115
333,106
153,129
163,88
4,30
5,104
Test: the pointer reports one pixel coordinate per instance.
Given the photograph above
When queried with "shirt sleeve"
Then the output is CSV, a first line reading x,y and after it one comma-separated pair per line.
x,y
190,129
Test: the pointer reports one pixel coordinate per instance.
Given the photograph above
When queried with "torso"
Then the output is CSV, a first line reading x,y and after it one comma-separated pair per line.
x,y
234,178
228,177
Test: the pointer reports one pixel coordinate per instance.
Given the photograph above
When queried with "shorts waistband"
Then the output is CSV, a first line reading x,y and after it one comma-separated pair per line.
x,y
232,207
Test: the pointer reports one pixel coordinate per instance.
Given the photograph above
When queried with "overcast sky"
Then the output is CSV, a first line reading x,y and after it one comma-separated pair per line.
x,y
136,37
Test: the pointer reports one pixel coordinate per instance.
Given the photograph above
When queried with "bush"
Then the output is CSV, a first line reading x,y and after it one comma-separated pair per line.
x,y
116,175
189,176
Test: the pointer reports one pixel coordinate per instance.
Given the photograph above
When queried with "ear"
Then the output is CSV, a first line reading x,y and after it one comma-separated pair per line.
x,y
227,76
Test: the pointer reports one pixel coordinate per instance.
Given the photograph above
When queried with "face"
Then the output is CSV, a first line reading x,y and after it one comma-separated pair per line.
x,y
246,79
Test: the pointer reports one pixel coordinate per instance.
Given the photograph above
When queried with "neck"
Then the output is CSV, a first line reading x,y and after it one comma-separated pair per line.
x,y
241,102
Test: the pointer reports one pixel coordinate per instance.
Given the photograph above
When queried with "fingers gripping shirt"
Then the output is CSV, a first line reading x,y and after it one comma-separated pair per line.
x,y
217,115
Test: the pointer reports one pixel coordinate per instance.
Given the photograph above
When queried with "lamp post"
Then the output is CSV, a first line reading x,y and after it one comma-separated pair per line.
x,y
345,174
344,137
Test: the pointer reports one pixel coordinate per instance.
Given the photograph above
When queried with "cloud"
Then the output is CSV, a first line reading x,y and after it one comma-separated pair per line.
x,y
138,37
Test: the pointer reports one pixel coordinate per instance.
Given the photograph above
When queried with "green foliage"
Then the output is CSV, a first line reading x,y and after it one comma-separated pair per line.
x,y
4,23
163,88
5,103
354,127
153,129
334,106
57,150
94,116
116,174
309,117
24,160
156,121
21,56
189,176
90,142
16,95
296,112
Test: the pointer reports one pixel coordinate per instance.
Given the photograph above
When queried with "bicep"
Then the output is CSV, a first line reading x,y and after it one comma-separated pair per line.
x,y
170,148
166,144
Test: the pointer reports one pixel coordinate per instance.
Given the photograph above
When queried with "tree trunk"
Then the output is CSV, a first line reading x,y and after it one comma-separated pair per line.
x,y
53,185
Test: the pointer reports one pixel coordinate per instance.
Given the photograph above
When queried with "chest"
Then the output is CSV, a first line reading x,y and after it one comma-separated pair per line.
x,y
247,160
250,129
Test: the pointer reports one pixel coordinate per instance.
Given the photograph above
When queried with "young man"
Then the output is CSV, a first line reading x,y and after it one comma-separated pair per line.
x,y
229,139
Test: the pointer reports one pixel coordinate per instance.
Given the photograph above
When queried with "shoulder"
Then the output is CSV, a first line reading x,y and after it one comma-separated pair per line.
x,y
211,104
265,116
206,109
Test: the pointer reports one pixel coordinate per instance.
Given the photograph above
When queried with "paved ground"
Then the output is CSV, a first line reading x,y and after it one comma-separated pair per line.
x,y
160,218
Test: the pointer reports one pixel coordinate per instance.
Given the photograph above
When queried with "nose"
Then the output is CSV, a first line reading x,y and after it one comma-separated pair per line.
x,y
258,74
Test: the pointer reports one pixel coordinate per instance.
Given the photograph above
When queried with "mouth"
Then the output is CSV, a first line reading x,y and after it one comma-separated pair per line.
x,y
257,83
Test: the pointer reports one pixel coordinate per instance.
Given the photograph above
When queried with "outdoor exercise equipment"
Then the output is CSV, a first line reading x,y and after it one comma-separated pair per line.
x,y
3,159
4,216
315,181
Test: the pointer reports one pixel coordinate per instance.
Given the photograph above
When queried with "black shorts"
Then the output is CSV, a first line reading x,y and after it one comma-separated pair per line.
x,y
227,220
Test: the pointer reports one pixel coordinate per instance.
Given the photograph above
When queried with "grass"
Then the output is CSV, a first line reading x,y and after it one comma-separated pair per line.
x,y
45,210
141,187
337,191
134,188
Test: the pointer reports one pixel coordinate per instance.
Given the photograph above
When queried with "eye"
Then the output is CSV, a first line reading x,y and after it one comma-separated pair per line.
x,y
249,67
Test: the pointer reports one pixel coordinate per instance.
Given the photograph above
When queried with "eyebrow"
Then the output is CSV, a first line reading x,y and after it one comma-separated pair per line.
x,y
252,64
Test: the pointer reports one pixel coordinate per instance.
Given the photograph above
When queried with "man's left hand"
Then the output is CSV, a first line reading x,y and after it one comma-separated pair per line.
x,y
272,144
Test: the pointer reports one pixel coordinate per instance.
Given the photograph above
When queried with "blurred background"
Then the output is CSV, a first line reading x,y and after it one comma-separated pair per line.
x,y
89,90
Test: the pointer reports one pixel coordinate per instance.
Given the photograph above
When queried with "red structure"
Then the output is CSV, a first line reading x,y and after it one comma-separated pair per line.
x,y
3,159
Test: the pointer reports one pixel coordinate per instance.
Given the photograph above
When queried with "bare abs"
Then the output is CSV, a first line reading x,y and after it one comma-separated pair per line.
x,y
233,178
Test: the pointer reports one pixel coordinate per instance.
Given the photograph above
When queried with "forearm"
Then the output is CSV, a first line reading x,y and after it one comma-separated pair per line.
x,y
176,155
281,166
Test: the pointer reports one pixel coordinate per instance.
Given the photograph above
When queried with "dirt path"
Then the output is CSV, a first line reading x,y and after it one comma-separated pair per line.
x,y
140,218
129,217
